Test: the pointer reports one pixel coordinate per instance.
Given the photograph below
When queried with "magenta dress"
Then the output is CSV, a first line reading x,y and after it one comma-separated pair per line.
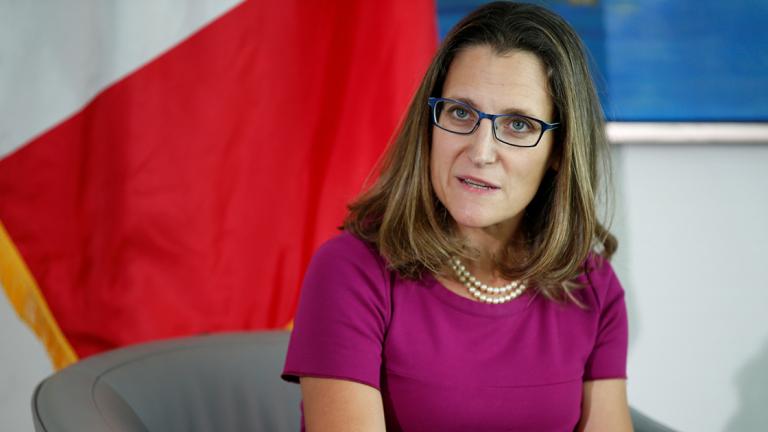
x,y
446,363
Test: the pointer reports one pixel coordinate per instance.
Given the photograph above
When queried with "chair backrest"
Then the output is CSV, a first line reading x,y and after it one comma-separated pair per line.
x,y
222,382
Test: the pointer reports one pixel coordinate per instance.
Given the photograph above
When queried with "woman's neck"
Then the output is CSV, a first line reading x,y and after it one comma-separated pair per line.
x,y
489,242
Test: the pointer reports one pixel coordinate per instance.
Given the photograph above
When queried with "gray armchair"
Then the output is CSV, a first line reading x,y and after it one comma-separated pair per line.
x,y
222,382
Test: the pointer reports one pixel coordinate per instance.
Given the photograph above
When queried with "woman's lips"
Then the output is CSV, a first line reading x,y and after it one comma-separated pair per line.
x,y
475,184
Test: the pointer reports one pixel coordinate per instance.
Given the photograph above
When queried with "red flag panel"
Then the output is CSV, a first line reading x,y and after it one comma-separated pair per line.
x,y
189,196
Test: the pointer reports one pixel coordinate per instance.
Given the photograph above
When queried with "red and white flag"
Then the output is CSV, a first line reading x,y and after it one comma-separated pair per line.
x,y
168,168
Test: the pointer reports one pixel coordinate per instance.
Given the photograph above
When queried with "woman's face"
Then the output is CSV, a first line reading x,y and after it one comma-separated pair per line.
x,y
511,83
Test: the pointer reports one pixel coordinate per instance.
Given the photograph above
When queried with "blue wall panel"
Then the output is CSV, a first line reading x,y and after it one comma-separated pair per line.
x,y
664,60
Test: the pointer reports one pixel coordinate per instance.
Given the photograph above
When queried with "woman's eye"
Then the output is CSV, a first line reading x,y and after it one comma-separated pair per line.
x,y
519,125
460,113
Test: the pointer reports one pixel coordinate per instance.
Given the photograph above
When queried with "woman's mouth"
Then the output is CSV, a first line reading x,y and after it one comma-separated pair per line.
x,y
477,184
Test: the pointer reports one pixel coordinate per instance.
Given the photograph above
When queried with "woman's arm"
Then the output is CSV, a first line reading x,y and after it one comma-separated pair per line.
x,y
340,406
604,407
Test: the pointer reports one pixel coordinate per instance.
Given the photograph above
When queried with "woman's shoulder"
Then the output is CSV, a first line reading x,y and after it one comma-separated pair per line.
x,y
344,242
599,280
343,314
346,259
345,248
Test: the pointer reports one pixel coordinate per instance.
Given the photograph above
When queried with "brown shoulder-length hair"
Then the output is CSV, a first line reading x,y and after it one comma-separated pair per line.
x,y
414,232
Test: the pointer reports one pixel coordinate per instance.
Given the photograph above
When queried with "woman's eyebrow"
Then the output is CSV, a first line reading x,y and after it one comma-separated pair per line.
x,y
512,110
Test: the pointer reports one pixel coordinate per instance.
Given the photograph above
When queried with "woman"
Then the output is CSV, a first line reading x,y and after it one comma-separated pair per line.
x,y
470,289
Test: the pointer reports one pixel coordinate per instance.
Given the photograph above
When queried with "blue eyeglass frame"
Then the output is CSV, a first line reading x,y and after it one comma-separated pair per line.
x,y
432,101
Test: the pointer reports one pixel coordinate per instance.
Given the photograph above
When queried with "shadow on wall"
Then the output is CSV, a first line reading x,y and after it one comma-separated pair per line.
x,y
618,223
752,384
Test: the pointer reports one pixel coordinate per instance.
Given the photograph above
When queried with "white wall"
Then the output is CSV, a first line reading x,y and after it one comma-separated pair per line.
x,y
693,257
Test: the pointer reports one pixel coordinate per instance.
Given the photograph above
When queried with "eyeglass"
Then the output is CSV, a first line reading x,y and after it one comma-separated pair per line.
x,y
513,129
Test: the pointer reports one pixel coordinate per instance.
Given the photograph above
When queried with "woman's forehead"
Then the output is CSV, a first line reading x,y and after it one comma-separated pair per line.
x,y
498,83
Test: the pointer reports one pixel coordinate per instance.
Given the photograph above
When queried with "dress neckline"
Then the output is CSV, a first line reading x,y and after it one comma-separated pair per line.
x,y
444,294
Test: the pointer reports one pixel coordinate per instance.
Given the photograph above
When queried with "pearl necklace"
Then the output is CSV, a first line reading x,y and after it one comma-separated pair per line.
x,y
481,291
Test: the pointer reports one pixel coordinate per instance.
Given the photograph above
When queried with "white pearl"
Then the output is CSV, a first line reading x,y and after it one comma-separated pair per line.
x,y
485,293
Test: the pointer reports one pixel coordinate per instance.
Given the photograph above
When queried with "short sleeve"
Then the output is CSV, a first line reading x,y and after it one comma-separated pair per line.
x,y
608,358
342,315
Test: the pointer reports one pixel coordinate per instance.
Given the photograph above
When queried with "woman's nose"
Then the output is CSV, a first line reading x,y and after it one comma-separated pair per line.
x,y
482,147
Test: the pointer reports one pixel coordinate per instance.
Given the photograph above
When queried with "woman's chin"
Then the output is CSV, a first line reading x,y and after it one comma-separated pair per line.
x,y
473,221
